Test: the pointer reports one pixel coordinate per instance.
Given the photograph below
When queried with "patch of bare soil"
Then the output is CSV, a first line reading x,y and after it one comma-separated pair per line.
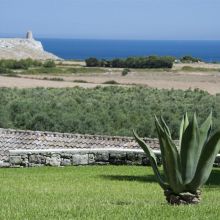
x,y
15,82
208,81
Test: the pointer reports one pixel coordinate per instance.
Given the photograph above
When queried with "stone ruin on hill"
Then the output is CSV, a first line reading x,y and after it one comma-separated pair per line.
x,y
29,35
23,48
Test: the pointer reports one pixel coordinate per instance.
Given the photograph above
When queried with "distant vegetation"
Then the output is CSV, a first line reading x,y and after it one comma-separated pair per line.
x,y
6,66
125,72
107,110
133,62
199,69
111,82
49,64
190,59
20,64
29,66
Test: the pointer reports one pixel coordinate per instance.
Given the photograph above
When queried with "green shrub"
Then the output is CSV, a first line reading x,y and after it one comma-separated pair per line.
x,y
4,70
111,82
80,81
189,59
92,62
49,64
125,71
53,79
19,64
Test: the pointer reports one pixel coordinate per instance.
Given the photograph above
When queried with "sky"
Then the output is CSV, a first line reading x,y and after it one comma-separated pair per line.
x,y
112,19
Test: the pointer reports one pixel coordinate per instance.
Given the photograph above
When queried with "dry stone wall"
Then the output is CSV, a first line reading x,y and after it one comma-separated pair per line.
x,y
75,157
35,149
80,157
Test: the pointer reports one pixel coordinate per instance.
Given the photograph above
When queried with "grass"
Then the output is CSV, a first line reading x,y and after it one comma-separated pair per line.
x,y
96,192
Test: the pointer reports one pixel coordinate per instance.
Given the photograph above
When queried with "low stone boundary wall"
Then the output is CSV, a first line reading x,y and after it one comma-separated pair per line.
x,y
65,157
75,157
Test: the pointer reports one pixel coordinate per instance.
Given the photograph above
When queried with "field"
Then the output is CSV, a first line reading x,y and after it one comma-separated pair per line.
x,y
96,192
71,74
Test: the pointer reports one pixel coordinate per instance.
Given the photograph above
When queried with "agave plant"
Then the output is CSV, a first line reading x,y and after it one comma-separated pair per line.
x,y
186,166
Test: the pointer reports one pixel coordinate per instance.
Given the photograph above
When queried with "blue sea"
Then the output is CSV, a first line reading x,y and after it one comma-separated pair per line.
x,y
208,51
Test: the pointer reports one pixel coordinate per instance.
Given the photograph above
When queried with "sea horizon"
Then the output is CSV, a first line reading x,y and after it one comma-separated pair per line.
x,y
81,49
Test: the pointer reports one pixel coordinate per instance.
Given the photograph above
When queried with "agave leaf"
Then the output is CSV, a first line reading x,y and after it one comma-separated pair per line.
x,y
183,126
204,131
160,131
173,164
171,159
207,158
189,150
164,126
152,159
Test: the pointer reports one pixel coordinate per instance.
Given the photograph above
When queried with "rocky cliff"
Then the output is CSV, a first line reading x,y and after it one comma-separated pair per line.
x,y
23,48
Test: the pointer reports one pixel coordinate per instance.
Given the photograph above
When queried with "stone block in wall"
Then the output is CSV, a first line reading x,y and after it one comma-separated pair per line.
x,y
91,159
4,158
80,159
15,160
159,160
117,158
134,158
66,162
217,162
25,162
37,159
101,163
146,161
4,164
66,155
54,160
35,165
101,156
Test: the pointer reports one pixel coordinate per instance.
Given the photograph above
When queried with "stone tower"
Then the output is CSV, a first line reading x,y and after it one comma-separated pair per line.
x,y
29,35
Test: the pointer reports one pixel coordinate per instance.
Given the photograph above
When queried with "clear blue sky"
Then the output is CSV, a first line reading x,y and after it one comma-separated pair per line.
x,y
112,19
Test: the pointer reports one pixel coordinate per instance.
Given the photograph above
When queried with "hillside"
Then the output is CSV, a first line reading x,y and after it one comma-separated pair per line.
x,y
23,48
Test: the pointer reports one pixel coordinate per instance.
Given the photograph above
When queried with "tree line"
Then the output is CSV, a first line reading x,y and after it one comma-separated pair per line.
x,y
133,62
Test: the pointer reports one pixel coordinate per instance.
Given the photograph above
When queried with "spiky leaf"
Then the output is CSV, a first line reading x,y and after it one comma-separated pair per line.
x,y
207,158
159,129
183,126
164,126
172,160
189,150
152,159
204,131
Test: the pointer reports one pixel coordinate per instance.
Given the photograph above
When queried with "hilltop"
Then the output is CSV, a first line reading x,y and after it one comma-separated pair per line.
x,y
23,48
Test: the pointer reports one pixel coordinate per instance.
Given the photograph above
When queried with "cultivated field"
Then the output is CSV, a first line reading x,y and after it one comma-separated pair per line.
x,y
182,76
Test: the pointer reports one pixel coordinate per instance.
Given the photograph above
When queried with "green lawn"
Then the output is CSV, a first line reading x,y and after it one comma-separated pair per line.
x,y
96,192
